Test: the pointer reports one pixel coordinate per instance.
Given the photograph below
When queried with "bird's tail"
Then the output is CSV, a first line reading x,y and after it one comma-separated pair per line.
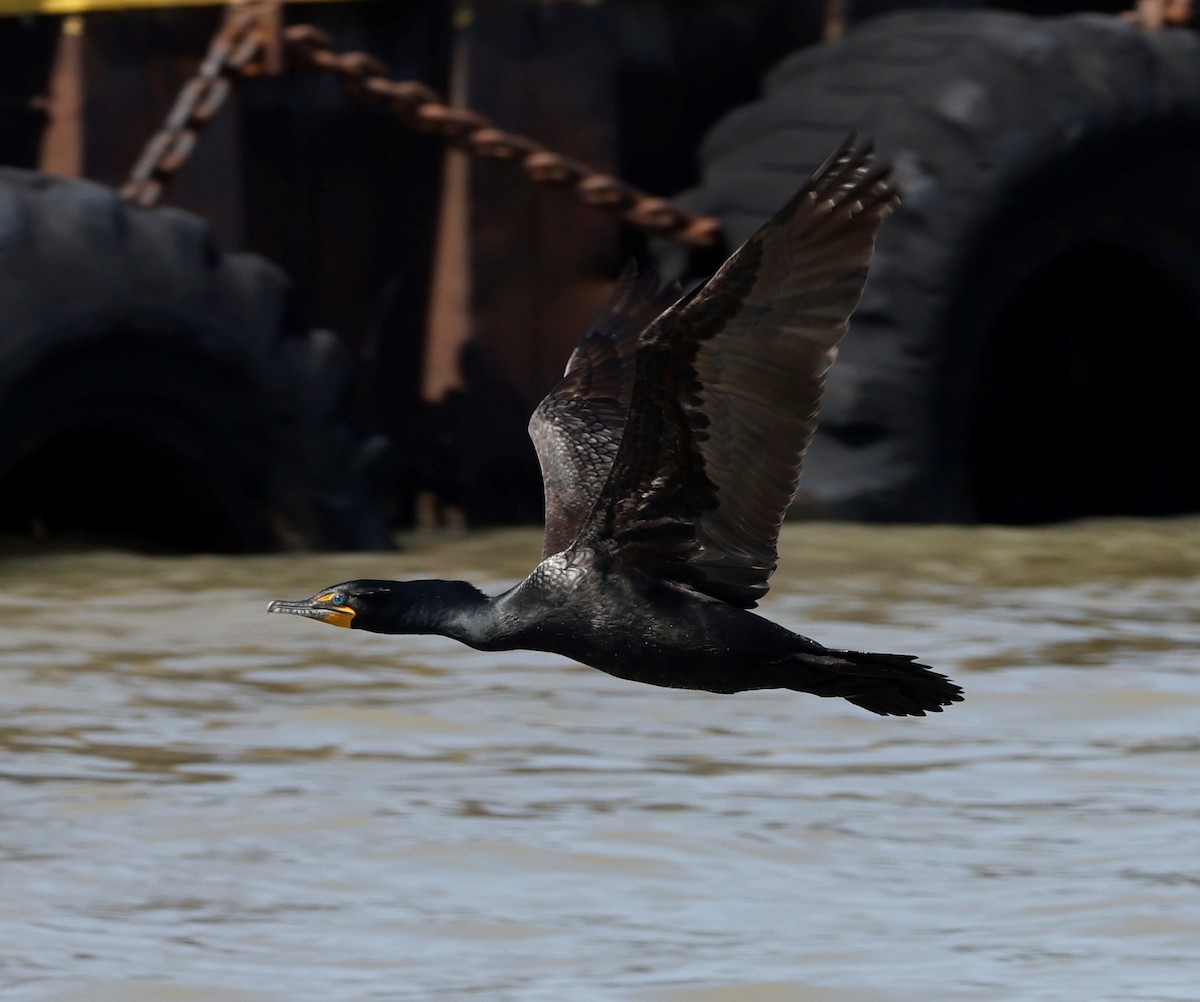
x,y
888,684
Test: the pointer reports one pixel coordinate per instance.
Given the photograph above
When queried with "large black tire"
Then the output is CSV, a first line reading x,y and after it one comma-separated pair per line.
x,y
1026,347
155,390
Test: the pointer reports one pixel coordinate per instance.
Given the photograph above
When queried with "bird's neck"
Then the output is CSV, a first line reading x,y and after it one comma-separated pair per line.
x,y
450,608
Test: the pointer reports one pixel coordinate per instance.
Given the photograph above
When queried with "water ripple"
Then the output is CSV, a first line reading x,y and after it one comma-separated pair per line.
x,y
201,802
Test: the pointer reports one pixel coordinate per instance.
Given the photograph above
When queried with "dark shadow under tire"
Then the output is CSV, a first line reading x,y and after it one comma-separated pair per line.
x,y
1025,348
156,392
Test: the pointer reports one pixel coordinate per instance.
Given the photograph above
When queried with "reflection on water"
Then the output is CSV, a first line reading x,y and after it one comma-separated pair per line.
x,y
201,802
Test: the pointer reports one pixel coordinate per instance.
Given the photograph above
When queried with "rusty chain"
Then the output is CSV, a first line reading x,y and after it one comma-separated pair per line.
x,y
422,109
241,48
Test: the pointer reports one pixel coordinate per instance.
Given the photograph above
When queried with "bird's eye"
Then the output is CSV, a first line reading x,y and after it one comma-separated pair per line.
x,y
338,598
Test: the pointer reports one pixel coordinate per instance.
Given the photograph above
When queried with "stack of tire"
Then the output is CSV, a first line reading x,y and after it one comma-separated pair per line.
x,y
1026,347
155,390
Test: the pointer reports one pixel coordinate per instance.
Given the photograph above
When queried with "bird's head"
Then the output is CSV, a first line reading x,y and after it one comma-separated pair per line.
x,y
451,608
352,604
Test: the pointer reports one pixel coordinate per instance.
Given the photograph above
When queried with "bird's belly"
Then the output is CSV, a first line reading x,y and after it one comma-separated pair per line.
x,y
644,630
675,655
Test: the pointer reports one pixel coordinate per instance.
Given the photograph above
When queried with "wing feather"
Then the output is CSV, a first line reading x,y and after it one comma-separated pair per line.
x,y
577,426
726,389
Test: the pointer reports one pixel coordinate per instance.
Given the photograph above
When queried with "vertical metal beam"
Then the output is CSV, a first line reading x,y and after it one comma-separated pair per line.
x,y
449,324
61,151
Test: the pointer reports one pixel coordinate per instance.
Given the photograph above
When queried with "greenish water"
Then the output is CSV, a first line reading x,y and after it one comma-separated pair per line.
x,y
200,802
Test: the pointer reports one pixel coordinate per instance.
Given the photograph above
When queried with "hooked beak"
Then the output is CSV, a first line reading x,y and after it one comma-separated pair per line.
x,y
334,615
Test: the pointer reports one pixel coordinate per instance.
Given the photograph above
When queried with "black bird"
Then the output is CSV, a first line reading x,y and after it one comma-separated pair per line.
x,y
670,452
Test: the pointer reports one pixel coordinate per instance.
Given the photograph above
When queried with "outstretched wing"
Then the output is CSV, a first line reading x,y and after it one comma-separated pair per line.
x,y
727,385
577,427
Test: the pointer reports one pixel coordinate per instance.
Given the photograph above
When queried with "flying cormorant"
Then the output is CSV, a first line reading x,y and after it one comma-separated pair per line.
x,y
670,452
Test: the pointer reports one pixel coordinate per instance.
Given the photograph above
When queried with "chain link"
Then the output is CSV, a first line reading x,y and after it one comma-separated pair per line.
x,y
237,49
240,48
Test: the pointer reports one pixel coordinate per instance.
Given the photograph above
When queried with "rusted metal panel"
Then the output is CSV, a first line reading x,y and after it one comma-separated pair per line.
x,y
346,201
26,59
541,260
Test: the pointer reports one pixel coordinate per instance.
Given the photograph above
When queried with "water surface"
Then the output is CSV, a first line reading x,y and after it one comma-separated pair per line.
x,y
200,802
